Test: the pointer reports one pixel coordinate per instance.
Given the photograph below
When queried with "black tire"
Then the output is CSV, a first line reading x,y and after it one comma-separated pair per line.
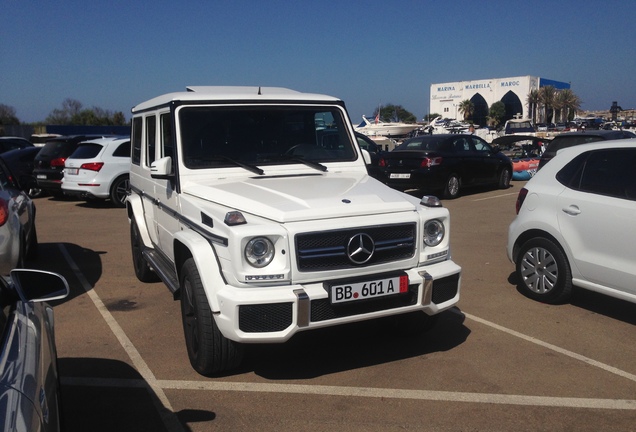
x,y
451,188
119,191
543,271
209,351
504,178
142,269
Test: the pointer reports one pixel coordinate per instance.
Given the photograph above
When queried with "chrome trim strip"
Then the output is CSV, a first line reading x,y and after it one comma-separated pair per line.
x,y
427,288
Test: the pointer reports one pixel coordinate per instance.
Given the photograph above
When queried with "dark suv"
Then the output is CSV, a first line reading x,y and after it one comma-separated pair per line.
x,y
48,165
570,139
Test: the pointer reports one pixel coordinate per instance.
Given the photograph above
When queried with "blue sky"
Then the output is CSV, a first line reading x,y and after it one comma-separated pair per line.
x,y
116,54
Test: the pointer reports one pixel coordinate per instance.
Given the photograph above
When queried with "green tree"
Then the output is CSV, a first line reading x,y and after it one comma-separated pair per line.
x,y
466,108
71,113
392,113
8,115
496,113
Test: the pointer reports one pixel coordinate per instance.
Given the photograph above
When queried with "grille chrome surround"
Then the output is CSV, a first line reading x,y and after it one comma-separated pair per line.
x,y
327,250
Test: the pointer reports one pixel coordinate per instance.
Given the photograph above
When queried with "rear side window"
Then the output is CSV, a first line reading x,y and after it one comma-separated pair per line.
x,y
609,172
123,150
136,140
86,151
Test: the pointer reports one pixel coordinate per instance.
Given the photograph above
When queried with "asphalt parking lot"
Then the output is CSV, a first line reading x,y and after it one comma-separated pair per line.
x,y
498,362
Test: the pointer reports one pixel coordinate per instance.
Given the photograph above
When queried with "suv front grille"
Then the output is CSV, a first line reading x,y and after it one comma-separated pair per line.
x,y
327,250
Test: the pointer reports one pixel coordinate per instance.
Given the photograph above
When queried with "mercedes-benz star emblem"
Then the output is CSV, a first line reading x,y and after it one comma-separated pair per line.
x,y
360,248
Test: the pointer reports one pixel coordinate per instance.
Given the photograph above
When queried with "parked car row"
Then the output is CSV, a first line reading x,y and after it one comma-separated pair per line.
x,y
88,167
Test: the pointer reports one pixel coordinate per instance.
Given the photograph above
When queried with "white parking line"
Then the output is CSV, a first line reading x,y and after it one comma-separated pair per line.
x,y
496,196
158,396
156,387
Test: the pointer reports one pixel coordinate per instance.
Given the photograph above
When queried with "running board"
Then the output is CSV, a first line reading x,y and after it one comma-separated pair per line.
x,y
164,269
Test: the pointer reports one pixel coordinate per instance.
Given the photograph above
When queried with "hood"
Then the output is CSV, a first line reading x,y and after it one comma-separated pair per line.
x,y
304,197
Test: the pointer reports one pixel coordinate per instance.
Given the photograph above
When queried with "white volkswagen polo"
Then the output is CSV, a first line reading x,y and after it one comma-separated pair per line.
x,y
575,224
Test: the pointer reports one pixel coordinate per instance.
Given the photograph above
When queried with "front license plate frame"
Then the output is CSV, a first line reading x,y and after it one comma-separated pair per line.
x,y
342,292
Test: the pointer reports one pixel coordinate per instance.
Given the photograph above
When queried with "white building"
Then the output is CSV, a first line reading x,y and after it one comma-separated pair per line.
x,y
513,92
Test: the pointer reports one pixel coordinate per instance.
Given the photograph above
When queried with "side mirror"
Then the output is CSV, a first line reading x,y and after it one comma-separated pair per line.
x,y
39,286
366,156
161,168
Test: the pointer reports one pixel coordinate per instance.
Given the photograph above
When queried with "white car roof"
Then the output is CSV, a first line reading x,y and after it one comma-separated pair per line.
x,y
107,140
222,93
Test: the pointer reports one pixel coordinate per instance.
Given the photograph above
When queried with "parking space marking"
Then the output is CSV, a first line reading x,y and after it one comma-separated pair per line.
x,y
496,196
156,387
555,348
158,396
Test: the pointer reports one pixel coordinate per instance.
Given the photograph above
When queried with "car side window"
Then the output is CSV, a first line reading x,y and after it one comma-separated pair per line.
x,y
123,150
461,145
151,133
609,172
136,140
480,145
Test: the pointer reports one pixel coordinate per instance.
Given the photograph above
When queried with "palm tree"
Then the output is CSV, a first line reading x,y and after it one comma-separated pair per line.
x,y
570,104
546,98
558,103
533,103
467,108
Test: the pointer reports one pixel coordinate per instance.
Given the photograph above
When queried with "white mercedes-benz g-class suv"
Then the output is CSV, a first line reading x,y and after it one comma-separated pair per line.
x,y
253,205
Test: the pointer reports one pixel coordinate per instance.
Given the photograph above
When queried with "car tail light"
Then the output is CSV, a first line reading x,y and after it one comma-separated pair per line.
x,y
4,212
92,166
59,162
429,162
521,198
382,163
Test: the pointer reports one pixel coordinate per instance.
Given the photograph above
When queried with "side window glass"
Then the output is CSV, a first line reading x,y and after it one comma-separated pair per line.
x,y
136,140
151,131
167,147
480,146
123,150
611,173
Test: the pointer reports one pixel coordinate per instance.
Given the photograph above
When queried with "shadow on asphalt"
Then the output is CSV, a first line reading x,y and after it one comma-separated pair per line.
x,y
358,345
598,303
50,258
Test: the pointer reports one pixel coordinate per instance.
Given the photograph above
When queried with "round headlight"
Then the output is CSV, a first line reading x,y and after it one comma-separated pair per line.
x,y
259,251
433,232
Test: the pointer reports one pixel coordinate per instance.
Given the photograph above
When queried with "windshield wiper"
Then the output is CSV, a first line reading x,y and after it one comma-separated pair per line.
x,y
312,164
252,168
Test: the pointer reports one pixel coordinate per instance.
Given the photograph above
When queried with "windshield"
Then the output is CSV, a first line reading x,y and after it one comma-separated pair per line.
x,y
214,137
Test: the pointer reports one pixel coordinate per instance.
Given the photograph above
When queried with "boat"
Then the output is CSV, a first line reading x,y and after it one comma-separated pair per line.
x,y
387,129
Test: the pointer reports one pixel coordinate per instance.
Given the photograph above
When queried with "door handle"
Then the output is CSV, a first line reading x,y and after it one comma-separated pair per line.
x,y
572,210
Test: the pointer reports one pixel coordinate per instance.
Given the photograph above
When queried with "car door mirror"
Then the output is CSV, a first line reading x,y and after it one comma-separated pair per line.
x,y
161,168
366,156
38,285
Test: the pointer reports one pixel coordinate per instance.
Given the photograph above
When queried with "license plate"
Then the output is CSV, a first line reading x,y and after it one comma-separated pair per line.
x,y
348,292
71,171
399,176
41,176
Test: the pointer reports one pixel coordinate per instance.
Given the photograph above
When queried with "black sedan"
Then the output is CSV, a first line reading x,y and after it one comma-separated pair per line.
x,y
445,163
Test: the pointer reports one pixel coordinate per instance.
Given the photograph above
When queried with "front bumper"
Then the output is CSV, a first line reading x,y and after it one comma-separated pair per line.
x,y
275,314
